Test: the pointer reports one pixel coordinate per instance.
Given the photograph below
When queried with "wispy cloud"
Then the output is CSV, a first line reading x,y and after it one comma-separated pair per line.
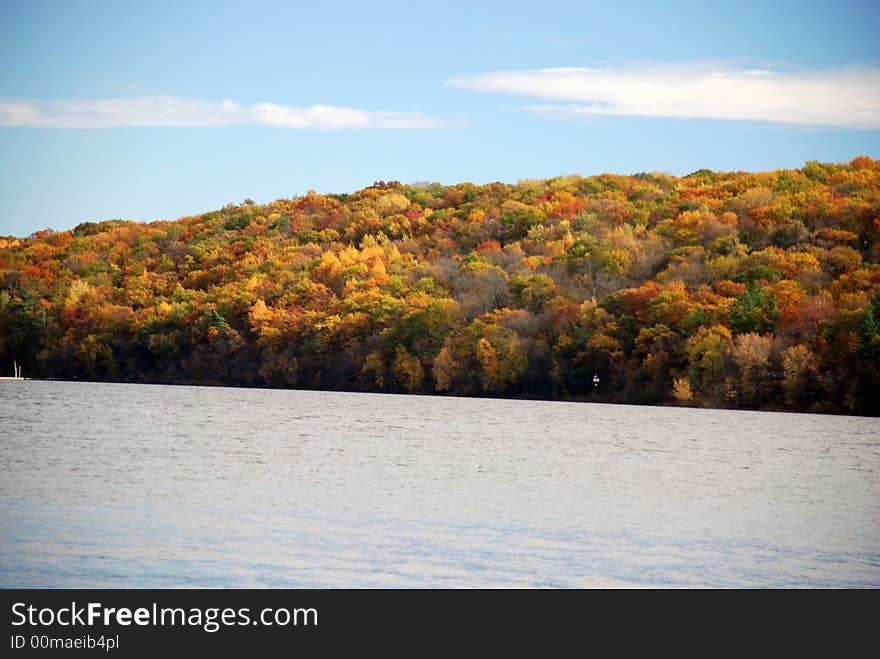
x,y
174,111
847,98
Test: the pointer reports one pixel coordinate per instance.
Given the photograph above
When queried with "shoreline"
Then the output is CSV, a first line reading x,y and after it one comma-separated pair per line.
x,y
534,398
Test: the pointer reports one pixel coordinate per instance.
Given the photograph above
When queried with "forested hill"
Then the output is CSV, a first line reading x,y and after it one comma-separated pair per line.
x,y
755,290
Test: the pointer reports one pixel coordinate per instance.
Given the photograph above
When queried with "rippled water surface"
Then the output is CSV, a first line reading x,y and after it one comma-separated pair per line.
x,y
111,485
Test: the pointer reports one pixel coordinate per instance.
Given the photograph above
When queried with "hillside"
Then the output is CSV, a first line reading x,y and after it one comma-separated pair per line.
x,y
754,290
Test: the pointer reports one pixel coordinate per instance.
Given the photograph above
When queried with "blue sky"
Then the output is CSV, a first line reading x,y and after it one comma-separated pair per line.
x,y
157,110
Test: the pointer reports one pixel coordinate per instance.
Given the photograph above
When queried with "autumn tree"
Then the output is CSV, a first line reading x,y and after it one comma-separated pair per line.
x,y
718,288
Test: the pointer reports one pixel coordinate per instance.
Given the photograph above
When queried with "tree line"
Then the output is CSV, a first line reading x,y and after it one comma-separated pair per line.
x,y
744,290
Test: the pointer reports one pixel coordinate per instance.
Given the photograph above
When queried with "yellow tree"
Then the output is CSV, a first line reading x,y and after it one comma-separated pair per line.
x,y
707,351
751,353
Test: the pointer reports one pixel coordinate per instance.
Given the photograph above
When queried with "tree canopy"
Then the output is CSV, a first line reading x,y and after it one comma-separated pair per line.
x,y
757,290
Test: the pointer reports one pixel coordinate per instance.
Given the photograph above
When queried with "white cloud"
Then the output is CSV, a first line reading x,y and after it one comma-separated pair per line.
x,y
829,97
174,111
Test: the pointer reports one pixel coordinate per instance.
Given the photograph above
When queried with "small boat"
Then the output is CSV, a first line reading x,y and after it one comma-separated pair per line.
x,y
16,372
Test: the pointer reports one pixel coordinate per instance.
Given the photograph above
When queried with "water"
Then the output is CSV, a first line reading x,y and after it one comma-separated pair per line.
x,y
110,485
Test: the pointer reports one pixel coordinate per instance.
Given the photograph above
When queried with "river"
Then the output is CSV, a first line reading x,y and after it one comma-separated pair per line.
x,y
122,485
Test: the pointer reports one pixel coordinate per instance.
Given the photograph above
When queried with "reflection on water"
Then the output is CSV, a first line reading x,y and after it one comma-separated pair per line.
x,y
157,486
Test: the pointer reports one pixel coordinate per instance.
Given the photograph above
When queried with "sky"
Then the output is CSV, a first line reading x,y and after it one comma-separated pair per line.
x,y
156,110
